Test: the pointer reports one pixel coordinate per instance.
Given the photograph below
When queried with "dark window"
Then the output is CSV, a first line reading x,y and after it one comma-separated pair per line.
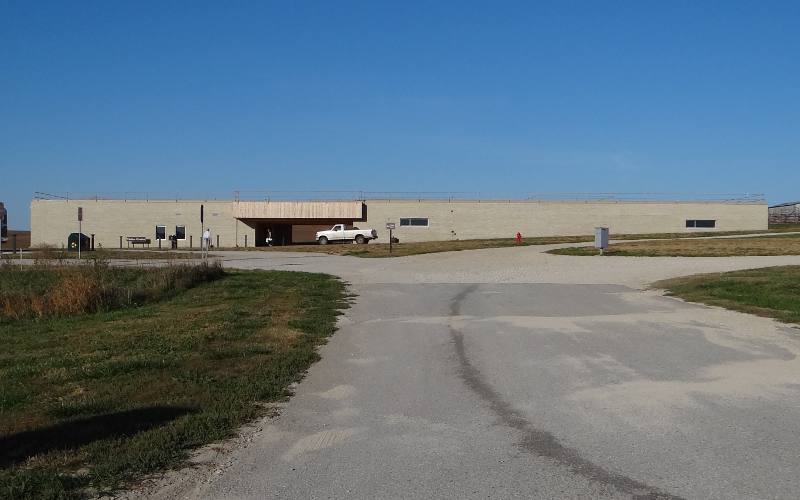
x,y
161,232
701,223
414,222
180,232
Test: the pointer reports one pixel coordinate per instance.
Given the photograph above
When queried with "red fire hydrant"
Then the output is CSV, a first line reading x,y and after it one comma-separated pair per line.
x,y
519,238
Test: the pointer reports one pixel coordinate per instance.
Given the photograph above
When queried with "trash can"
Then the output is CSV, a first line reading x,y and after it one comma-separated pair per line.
x,y
76,239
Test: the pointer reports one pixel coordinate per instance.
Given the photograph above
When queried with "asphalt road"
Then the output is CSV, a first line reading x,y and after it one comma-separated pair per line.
x,y
479,387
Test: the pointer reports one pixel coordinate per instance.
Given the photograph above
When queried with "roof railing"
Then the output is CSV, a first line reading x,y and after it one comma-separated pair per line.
x,y
272,195
275,195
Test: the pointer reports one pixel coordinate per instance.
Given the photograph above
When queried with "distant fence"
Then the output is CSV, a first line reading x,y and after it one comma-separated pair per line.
x,y
128,195
272,195
490,196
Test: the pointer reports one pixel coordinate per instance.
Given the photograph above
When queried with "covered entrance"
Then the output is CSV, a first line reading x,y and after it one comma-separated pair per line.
x,y
290,232
295,222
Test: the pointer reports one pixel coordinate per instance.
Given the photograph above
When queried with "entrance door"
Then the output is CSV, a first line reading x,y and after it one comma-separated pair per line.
x,y
281,234
273,233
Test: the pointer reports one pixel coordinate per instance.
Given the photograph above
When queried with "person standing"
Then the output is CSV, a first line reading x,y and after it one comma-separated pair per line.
x,y
206,241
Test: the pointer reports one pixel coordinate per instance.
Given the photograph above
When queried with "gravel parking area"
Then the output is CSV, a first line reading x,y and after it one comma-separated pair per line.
x,y
502,265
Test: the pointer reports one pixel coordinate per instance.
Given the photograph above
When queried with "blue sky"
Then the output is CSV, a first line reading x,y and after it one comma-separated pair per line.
x,y
206,98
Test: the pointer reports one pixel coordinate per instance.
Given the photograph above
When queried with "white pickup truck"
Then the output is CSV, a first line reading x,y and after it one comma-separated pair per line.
x,y
339,232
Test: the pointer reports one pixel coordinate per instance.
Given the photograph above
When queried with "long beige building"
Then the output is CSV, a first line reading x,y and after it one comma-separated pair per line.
x,y
238,223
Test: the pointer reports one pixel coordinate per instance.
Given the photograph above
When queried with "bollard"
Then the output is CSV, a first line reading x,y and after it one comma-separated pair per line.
x,y
191,244
14,240
92,241
245,241
159,243
120,242
217,241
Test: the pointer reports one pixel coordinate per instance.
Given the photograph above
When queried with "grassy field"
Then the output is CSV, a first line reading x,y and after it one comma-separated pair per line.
x,y
56,254
90,402
771,291
762,245
784,228
415,248
403,249
46,290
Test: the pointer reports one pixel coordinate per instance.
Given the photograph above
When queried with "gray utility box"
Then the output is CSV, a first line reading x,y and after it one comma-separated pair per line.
x,y
601,237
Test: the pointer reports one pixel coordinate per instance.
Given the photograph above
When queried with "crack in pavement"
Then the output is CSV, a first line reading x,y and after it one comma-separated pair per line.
x,y
538,441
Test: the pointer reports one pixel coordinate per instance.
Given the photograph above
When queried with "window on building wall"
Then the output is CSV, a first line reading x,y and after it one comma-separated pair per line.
x,y
161,232
704,223
414,221
180,232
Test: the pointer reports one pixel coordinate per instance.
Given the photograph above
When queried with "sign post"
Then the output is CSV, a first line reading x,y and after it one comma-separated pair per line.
x,y
80,233
390,226
203,241
3,228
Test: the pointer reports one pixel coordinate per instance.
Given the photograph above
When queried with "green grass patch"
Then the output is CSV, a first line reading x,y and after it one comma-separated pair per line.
x,y
783,228
91,402
723,247
424,247
770,291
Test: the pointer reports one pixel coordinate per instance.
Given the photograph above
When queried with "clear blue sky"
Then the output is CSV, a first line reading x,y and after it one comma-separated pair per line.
x,y
556,96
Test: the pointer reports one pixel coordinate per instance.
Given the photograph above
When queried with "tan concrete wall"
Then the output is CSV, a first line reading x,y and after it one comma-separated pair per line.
x,y
53,220
498,219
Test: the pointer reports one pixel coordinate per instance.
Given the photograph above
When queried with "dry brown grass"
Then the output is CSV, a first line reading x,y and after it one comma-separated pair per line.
x,y
65,290
74,294
45,253
723,247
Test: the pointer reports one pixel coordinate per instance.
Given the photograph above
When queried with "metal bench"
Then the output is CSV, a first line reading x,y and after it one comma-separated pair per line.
x,y
137,240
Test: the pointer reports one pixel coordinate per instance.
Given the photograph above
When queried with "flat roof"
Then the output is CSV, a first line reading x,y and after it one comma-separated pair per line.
x,y
429,196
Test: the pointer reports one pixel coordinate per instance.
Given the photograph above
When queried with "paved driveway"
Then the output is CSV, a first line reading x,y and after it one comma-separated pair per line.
x,y
513,374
